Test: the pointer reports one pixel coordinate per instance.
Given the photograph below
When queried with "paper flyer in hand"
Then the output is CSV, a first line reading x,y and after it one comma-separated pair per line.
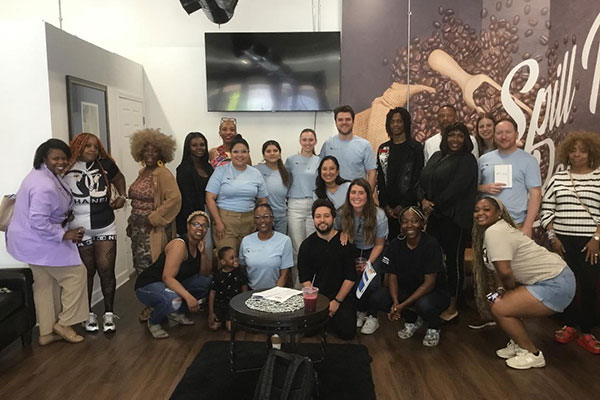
x,y
503,174
366,278
279,294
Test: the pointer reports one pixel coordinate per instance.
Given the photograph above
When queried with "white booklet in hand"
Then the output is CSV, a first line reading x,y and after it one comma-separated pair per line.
x,y
503,174
366,278
279,294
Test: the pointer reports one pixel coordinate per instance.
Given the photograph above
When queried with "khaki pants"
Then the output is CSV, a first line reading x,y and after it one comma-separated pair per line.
x,y
237,225
59,294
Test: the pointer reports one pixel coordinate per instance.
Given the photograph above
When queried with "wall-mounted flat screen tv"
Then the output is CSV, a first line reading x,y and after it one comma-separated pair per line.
x,y
292,71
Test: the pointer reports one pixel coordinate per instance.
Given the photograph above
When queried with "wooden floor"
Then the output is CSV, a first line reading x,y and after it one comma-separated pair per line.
x,y
131,365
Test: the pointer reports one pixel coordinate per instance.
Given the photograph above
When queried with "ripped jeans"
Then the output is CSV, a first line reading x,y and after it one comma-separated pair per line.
x,y
163,300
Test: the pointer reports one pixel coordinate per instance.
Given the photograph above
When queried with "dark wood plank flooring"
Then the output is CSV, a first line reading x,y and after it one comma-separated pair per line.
x,y
131,365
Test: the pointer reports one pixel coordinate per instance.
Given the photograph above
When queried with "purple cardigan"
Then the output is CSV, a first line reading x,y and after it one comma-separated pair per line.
x,y
34,235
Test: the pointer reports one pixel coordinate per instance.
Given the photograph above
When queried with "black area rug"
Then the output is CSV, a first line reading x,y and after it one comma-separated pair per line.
x,y
345,373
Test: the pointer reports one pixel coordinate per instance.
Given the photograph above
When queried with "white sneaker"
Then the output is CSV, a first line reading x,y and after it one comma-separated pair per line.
x,y
526,360
410,328
91,325
511,350
361,316
432,338
370,326
108,324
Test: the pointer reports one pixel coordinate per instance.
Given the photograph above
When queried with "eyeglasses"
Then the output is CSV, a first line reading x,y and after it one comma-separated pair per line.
x,y
199,225
228,119
266,216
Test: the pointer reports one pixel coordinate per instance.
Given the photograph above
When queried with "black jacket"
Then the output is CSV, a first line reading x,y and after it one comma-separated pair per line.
x,y
450,182
193,192
398,174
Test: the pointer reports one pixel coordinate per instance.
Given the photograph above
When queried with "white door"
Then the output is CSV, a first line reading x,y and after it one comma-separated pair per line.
x,y
130,118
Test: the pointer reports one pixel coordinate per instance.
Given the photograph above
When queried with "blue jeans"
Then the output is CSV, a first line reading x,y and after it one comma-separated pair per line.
x,y
281,224
163,300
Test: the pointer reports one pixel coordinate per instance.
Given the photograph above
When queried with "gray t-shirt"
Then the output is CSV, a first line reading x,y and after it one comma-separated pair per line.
x,y
338,197
303,171
355,156
381,229
277,190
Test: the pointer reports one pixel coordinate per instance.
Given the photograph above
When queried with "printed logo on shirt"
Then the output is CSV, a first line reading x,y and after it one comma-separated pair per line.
x,y
385,260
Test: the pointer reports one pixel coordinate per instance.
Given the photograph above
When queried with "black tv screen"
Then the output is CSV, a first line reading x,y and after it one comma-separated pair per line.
x,y
296,71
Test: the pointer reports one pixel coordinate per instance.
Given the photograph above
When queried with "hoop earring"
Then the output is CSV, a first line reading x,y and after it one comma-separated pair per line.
x,y
160,163
401,236
143,164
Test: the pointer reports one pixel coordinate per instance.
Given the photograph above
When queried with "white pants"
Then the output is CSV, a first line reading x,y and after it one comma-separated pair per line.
x,y
300,226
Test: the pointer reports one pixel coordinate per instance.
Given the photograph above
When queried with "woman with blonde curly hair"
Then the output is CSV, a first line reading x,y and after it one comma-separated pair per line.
x,y
571,216
155,197
91,172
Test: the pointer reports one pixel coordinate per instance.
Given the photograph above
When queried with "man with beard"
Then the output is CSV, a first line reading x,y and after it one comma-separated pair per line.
x,y
355,154
446,116
324,263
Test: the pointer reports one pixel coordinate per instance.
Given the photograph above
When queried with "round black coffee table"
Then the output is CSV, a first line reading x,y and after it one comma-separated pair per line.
x,y
290,326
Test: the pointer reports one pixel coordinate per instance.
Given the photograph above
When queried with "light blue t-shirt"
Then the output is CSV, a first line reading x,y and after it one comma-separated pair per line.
x,y
237,190
338,197
264,259
355,156
277,190
303,171
381,229
525,175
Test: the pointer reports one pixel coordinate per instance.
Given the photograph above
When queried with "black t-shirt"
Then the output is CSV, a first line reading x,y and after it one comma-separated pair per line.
x,y
227,285
411,265
153,273
329,262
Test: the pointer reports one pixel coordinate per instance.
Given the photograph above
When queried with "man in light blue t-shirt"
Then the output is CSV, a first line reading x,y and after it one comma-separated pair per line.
x,y
355,154
512,175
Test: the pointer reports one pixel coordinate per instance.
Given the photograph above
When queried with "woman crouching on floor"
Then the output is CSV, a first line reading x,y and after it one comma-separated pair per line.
x,y
534,282
179,277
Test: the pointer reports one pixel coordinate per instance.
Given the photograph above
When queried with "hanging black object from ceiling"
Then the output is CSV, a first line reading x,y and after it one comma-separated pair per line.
x,y
218,11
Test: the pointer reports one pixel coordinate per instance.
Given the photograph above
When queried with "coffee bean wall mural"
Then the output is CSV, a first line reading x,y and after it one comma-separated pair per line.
x,y
534,61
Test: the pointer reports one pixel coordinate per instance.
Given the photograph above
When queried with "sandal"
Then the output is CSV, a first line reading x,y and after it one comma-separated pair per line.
x,y
180,318
145,314
565,334
157,331
589,342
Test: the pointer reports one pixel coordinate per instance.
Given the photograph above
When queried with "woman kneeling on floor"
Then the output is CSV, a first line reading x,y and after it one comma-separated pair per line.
x,y
178,278
536,282
418,289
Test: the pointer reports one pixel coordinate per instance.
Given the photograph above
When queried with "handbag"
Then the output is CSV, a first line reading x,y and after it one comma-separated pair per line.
x,y
7,207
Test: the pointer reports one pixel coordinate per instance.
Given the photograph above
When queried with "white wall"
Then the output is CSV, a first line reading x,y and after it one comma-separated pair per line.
x,y
157,34
170,45
69,55
24,104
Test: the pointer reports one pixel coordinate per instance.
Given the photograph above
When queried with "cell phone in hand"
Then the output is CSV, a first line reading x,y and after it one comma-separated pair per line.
x,y
492,296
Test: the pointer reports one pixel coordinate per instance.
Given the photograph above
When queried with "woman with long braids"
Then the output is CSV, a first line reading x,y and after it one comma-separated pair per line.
x,y
91,172
277,179
192,177
532,281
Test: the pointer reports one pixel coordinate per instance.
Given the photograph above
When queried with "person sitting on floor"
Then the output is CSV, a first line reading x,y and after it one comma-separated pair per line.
x,y
178,278
229,281
325,263
418,289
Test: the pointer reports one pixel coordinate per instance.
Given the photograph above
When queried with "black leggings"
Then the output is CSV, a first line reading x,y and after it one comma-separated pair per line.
x,y
453,240
100,257
587,281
